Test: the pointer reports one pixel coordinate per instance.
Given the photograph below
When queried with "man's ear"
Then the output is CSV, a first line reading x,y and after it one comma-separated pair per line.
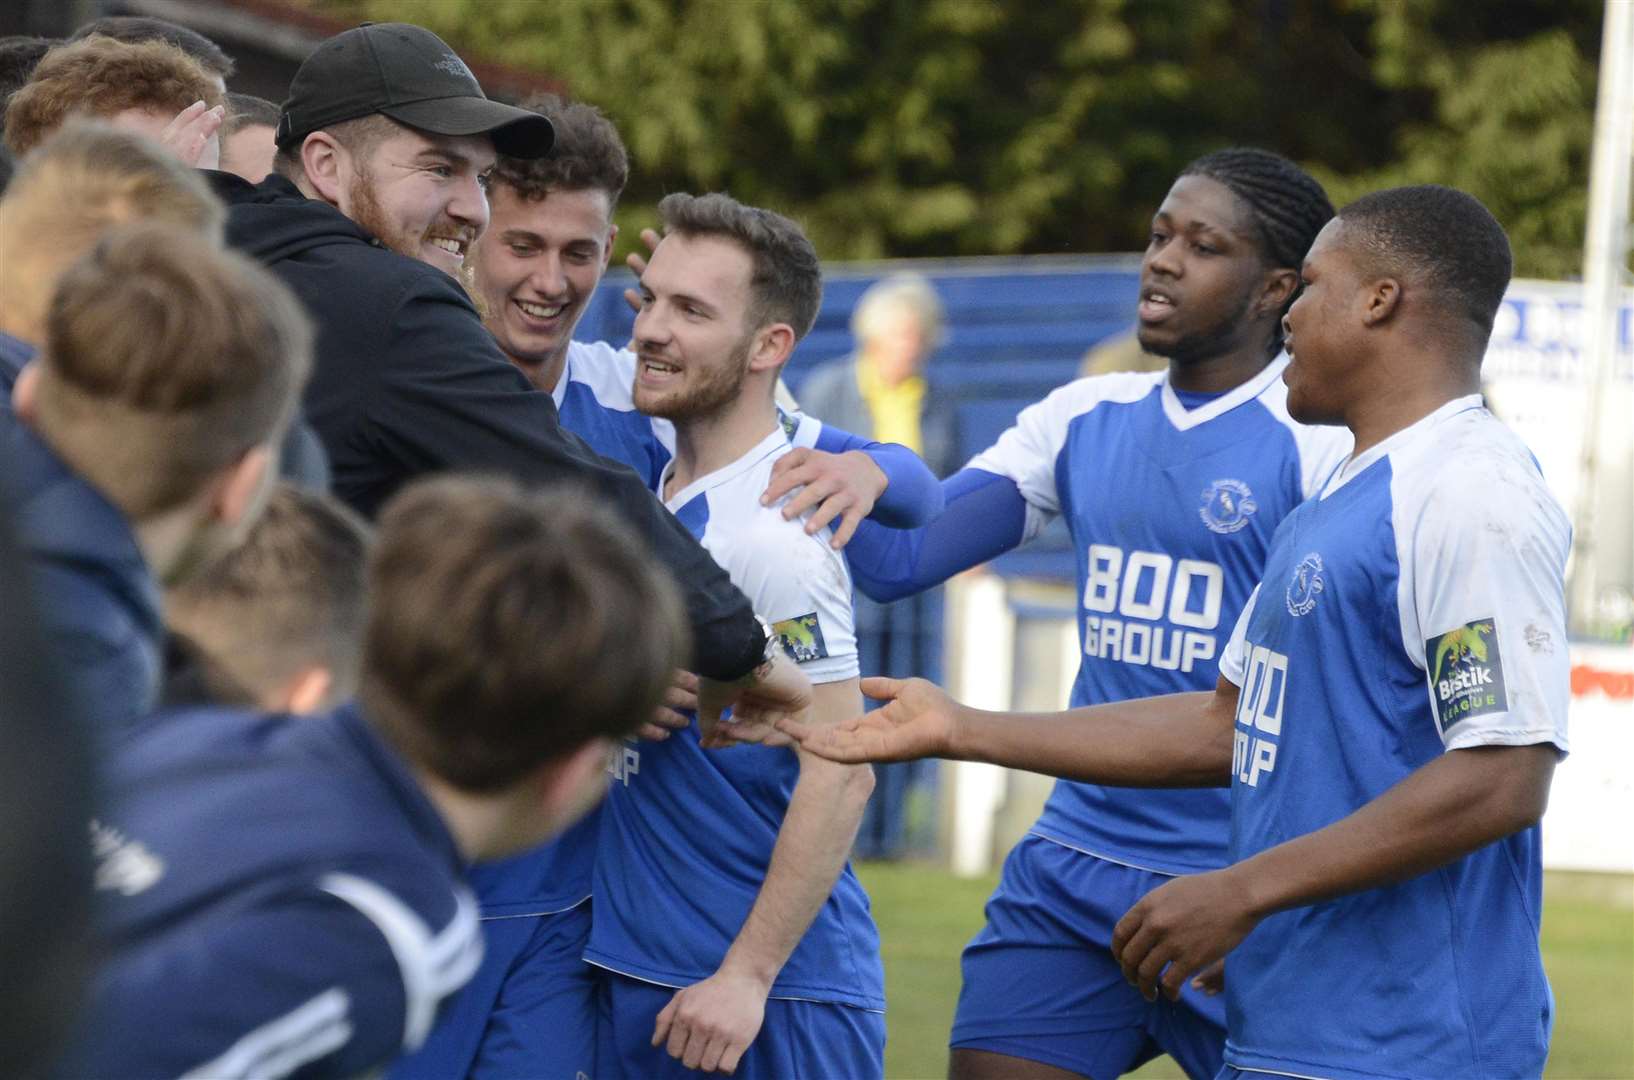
x,y
1380,301
1278,287
23,391
612,238
305,692
772,347
243,488
324,161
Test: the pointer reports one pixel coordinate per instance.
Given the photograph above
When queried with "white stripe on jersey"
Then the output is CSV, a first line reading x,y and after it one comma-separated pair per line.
x,y
282,1045
433,965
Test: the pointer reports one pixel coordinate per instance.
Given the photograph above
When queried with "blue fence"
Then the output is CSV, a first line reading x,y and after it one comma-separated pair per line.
x,y
1017,329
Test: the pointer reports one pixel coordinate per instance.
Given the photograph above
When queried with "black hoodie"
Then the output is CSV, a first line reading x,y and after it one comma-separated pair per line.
x,y
406,381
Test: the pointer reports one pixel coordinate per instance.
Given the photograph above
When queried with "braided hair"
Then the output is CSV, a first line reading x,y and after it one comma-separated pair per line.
x,y
1288,206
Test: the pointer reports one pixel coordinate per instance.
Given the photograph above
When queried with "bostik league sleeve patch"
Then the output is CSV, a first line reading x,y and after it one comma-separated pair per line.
x,y
1466,673
802,637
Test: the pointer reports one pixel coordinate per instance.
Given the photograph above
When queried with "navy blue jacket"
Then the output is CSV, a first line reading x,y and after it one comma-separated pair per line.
x,y
99,603
407,382
278,897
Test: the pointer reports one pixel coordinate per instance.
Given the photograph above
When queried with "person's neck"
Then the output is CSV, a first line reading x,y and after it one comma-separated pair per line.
x,y
477,823
1404,391
544,374
705,444
1221,372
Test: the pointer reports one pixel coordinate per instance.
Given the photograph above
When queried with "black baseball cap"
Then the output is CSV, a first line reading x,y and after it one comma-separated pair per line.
x,y
409,74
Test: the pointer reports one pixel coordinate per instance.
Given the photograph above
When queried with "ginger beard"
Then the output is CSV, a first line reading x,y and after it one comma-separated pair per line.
x,y
369,213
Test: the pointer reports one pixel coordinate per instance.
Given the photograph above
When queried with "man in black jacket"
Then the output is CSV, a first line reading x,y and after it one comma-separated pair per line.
x,y
384,145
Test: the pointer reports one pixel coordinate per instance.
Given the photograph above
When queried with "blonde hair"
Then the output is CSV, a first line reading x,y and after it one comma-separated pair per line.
x,y
82,181
166,359
102,77
899,292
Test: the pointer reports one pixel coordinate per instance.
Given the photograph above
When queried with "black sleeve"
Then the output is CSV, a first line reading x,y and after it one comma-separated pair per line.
x,y
444,397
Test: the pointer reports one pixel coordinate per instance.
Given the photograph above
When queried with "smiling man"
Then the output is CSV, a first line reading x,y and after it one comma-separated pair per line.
x,y
384,146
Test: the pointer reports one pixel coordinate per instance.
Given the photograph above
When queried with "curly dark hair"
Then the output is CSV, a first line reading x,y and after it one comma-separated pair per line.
x,y
588,154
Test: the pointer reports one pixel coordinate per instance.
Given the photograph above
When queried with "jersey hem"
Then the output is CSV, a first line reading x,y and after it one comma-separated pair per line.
x,y
678,981
524,909
1120,859
1265,1064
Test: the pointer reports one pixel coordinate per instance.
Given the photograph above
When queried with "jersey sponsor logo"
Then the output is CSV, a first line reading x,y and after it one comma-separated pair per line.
x,y
122,864
1306,586
623,762
802,637
1151,609
1466,672
1259,716
1227,506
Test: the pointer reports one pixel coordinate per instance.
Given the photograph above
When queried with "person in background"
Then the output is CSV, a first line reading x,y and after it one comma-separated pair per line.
x,y
277,622
136,29
19,54
883,393
151,88
247,137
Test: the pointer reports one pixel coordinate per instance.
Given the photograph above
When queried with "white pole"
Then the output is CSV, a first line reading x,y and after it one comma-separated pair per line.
x,y
1605,246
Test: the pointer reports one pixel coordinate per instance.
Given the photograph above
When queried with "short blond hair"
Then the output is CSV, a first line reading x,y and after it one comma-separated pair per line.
x,y
899,292
288,599
85,179
166,359
102,77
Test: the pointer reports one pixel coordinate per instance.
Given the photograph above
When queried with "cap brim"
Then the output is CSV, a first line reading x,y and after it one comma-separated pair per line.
x,y
516,132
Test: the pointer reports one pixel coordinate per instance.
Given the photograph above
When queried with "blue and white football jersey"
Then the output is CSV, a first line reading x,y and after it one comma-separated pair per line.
x,y
1171,512
276,896
1416,607
687,834
595,399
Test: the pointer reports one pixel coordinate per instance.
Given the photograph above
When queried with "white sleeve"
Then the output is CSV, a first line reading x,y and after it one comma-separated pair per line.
x,y
1483,602
1028,452
1233,661
802,588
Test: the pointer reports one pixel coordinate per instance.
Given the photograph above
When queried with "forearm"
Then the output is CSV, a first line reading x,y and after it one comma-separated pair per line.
x,y
1176,740
818,831
1454,805
983,517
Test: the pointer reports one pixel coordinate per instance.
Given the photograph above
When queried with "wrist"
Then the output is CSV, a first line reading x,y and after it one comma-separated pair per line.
x,y
739,967
880,478
1253,888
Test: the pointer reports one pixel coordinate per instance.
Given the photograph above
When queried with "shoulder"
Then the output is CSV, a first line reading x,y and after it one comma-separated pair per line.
x,y
1066,403
606,372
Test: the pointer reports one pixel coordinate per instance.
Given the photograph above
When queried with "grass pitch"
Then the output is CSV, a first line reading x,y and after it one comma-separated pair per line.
x,y
926,915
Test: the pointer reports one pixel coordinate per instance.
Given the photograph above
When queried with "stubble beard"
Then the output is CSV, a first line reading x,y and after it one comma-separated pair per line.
x,y
717,391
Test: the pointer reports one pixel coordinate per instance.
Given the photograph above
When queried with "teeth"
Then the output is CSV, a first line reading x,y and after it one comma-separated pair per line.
x,y
540,311
660,368
453,247
1156,298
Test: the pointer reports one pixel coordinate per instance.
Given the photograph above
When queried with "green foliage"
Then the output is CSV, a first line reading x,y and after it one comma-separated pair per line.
x,y
947,127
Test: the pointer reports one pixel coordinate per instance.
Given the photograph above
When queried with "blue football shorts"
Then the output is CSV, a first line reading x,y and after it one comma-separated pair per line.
x,y
1040,981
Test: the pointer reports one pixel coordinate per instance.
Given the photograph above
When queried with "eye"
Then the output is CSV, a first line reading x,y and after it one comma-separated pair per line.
x,y
1203,248
1157,237
522,251
442,172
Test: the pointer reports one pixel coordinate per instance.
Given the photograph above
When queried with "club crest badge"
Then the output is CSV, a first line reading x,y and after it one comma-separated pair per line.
x,y
1306,586
1227,506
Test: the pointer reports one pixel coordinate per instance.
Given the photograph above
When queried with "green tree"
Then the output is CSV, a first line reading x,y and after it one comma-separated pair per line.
x,y
950,127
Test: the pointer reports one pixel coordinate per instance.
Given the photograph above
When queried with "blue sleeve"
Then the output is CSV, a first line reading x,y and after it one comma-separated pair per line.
x,y
308,986
912,495
984,516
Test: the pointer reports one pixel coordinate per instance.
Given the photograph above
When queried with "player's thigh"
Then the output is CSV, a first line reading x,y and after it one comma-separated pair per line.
x,y
816,1039
629,1015
543,1023
1192,1031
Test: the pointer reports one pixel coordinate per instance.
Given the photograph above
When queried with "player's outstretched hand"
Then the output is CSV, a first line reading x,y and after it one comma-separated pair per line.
x,y
781,691
638,263
191,136
709,1025
918,721
1181,929
844,486
679,699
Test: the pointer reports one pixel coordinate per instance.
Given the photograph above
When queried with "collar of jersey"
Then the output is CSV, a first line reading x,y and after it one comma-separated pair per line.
x,y
1357,464
1184,420
558,393
771,444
